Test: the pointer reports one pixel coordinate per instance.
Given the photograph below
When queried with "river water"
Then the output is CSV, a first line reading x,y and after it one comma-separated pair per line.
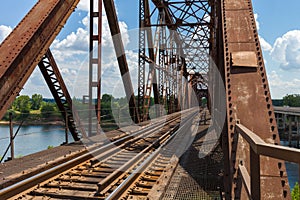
x,y
31,139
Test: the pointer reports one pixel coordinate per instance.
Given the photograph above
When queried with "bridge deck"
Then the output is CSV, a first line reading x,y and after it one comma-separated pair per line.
x,y
195,173
198,174
21,168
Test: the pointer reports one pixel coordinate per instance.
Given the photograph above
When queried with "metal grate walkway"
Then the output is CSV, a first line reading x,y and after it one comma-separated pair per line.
x,y
198,176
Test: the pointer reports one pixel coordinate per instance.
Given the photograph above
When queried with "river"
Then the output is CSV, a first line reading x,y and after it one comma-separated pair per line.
x,y
31,139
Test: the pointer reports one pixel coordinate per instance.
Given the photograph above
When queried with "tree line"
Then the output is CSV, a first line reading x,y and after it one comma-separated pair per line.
x,y
291,100
33,108
36,107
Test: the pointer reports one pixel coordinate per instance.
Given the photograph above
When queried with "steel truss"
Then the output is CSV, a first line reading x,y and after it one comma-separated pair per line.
x,y
95,63
182,48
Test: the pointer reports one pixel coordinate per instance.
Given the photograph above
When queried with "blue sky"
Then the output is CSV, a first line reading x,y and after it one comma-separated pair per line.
x,y
279,30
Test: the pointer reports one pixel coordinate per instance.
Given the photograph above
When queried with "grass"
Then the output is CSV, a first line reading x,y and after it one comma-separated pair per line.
x,y
36,112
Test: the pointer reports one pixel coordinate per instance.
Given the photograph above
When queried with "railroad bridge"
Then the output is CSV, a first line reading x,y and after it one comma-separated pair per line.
x,y
226,147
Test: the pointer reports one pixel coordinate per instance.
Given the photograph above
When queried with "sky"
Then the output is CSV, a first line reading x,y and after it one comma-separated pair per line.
x,y
278,24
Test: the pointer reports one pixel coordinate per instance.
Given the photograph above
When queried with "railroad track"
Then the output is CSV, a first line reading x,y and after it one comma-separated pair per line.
x,y
100,174
151,178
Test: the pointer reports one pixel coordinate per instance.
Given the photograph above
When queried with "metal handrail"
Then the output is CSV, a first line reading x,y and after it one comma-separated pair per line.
x,y
258,147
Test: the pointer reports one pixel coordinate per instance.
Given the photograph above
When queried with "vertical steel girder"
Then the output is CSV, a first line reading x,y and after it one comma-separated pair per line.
x,y
249,103
61,95
23,49
162,56
120,53
95,62
144,90
142,55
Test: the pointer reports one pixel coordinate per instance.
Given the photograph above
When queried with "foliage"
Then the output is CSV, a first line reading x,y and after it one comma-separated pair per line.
x,y
107,105
48,109
277,102
292,100
36,101
50,147
22,104
107,98
6,116
295,192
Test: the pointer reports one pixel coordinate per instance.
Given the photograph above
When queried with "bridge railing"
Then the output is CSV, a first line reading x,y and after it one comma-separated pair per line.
x,y
258,148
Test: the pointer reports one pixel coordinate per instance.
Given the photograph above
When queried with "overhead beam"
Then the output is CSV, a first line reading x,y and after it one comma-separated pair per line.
x,y
23,49
170,24
120,53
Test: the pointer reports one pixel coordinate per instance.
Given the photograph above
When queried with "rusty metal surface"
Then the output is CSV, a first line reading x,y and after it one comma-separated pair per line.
x,y
182,39
61,95
98,172
21,51
95,62
120,53
249,101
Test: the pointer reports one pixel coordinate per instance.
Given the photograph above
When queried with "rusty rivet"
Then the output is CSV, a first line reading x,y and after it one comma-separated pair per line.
x,y
284,193
282,183
281,174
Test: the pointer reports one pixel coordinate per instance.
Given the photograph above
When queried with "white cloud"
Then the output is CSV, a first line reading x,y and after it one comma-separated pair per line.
x,y
71,54
265,45
4,32
84,5
286,50
256,20
280,87
73,45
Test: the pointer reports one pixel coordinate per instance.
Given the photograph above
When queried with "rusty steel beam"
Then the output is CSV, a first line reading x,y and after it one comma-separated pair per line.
x,y
23,49
120,53
95,64
249,103
152,70
61,95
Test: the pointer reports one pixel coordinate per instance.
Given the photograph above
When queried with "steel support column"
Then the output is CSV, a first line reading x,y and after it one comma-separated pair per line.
x,y
120,53
95,63
142,55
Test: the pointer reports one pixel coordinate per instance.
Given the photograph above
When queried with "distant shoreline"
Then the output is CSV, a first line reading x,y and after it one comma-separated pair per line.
x,y
26,123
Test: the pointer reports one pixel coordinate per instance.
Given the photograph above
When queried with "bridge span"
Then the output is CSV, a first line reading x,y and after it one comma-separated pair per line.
x,y
200,61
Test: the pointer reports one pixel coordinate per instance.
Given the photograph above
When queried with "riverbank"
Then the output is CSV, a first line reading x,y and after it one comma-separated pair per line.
x,y
35,122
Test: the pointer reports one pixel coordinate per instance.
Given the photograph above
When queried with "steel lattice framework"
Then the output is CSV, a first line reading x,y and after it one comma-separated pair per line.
x,y
181,48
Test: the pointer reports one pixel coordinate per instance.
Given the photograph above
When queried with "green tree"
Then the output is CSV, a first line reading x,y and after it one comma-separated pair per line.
x,y
22,104
107,98
36,100
292,100
295,192
48,109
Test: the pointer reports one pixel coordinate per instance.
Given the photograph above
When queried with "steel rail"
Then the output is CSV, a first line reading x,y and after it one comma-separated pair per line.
x,y
136,173
106,150
113,156
130,164
141,134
